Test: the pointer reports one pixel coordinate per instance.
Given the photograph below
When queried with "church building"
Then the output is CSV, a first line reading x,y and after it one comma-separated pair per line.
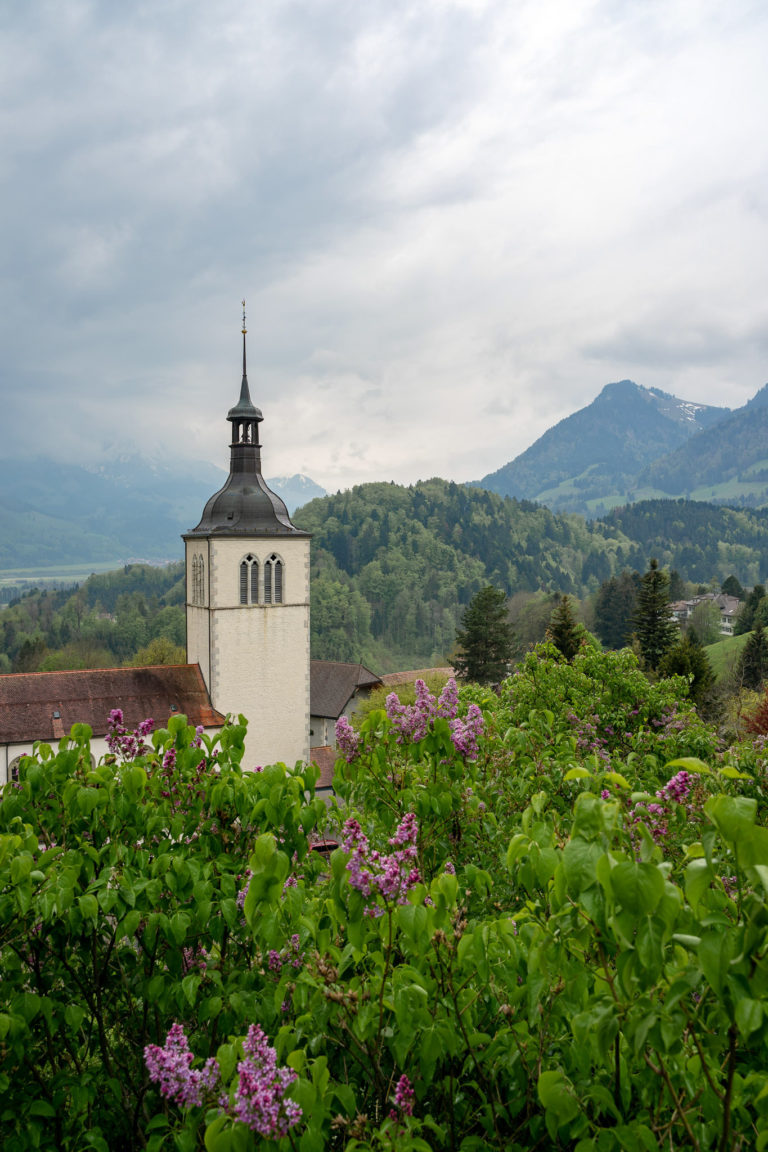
x,y
248,600
248,643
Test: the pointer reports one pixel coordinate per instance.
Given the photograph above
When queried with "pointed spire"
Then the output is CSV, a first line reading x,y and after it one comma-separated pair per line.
x,y
244,409
245,374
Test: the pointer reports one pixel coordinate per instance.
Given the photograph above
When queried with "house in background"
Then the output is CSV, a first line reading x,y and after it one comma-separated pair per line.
x,y
728,607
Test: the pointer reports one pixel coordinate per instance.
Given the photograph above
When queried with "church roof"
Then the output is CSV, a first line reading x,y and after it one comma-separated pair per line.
x,y
245,505
45,705
332,684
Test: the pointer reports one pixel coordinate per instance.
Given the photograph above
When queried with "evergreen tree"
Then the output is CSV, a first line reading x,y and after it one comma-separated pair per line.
x,y
753,662
485,638
688,658
655,627
564,631
746,617
731,587
614,609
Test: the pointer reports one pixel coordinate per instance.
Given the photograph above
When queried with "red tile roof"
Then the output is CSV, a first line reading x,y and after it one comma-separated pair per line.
x,y
29,700
325,758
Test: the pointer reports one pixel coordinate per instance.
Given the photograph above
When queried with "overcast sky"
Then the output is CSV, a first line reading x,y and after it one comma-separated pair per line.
x,y
454,222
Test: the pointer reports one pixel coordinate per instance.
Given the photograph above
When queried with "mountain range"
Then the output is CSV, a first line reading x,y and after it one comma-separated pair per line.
x,y
634,443
54,514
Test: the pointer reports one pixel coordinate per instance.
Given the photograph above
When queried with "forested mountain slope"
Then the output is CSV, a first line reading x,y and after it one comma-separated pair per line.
x,y
701,541
394,567
728,462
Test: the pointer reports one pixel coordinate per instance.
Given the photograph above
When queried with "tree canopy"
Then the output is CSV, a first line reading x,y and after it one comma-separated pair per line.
x,y
484,641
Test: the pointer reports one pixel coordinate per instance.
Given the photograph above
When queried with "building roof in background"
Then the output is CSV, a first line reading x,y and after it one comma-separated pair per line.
x,y
325,757
45,705
332,684
392,679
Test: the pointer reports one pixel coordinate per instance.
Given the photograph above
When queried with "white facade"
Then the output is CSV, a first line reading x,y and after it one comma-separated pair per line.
x,y
254,657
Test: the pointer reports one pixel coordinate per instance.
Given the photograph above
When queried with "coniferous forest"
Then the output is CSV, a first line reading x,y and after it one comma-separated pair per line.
x,y
393,570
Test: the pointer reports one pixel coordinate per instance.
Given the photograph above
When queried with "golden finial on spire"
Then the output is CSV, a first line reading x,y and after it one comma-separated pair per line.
x,y
244,327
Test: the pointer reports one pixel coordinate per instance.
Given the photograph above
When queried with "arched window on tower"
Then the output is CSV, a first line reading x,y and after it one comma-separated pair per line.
x,y
249,580
273,580
198,580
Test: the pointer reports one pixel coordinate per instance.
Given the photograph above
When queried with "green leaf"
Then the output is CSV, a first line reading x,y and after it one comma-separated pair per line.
x,y
749,1016
577,773
41,1108
556,1094
733,816
715,954
690,764
638,886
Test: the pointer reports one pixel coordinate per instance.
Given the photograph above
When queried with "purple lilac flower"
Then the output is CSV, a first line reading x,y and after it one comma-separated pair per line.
x,y
244,891
465,733
123,743
392,876
450,868
404,1098
448,701
260,1101
347,739
171,1068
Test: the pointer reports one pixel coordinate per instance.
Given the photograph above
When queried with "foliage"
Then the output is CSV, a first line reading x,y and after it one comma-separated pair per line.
x,y
521,941
749,609
704,622
103,623
752,668
564,631
484,641
655,627
615,609
687,658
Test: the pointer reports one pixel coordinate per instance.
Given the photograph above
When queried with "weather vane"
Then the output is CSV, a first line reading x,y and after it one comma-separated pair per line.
x,y
244,328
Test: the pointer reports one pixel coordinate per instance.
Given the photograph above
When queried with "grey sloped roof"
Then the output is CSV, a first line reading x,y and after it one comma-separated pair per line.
x,y
332,684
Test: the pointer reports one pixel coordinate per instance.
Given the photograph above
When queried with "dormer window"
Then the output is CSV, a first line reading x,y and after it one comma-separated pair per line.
x,y
249,580
273,580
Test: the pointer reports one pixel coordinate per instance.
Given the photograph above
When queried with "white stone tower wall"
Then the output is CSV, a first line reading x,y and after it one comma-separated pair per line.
x,y
255,658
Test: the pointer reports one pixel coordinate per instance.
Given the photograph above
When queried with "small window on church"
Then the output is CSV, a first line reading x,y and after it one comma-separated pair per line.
x,y
198,580
13,769
249,580
273,580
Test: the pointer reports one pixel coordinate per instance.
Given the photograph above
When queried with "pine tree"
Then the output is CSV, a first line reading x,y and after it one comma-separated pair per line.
x,y
563,631
485,638
688,658
655,627
614,609
753,662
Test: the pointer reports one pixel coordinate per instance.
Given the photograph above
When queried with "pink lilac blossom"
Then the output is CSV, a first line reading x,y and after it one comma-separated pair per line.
x,y
448,701
391,876
465,733
404,1098
347,739
260,1101
123,743
171,1068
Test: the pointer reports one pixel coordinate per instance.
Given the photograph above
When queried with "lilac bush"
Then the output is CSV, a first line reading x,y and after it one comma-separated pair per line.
x,y
371,872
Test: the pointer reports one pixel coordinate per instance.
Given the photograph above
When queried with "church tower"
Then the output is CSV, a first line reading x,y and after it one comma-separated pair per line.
x,y
247,571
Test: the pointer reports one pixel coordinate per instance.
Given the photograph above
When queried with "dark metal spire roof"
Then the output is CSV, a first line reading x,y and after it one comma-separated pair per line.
x,y
245,506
